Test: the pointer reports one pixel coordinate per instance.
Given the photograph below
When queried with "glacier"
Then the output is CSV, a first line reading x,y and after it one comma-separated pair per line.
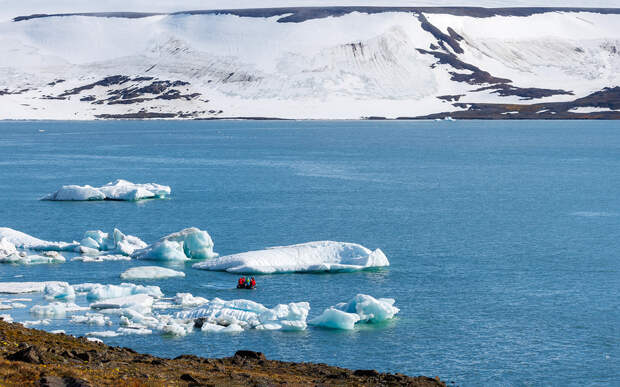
x,y
322,256
117,190
150,272
362,308
304,63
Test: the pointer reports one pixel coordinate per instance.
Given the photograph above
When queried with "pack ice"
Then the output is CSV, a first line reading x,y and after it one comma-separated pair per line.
x,y
362,308
190,243
323,256
218,315
118,190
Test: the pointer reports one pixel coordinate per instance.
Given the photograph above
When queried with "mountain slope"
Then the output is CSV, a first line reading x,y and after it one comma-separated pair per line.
x,y
334,62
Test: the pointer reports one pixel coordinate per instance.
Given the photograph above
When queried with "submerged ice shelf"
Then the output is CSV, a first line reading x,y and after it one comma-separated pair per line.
x,y
323,256
118,190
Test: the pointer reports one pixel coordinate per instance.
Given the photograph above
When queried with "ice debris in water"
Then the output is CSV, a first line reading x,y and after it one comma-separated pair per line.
x,y
27,287
56,309
150,272
6,318
97,241
117,190
307,257
188,300
91,319
102,292
139,302
10,254
33,323
22,240
249,314
59,291
190,243
362,308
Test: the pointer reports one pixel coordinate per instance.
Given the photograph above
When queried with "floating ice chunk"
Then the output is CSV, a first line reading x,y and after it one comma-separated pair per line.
x,y
5,307
335,319
94,340
250,314
24,241
370,309
142,303
117,242
29,324
151,272
306,257
91,319
58,331
188,300
176,329
7,249
27,287
76,192
134,331
56,309
126,190
6,318
62,291
22,258
208,327
232,328
103,334
190,243
17,305
102,292
362,308
117,190
101,258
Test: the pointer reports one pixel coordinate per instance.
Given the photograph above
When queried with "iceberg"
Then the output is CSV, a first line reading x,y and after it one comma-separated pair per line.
x,y
59,291
249,314
323,256
190,243
91,319
141,303
117,242
27,287
102,292
23,258
101,258
188,300
103,334
362,308
118,190
24,241
150,272
56,309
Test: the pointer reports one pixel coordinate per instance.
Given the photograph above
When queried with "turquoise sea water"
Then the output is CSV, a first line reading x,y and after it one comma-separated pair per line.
x,y
503,237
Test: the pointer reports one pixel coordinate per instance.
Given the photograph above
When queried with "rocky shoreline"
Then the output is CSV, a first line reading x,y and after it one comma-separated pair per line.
x,y
34,357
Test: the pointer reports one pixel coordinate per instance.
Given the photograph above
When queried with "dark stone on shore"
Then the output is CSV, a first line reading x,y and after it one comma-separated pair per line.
x,y
29,354
245,354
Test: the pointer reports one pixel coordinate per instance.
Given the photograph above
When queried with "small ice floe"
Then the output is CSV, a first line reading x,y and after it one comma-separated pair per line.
x,y
6,318
97,241
118,190
324,256
27,287
190,243
10,254
58,331
56,309
101,258
141,303
91,319
150,272
103,334
102,292
361,309
94,340
59,291
35,323
248,315
21,240
187,300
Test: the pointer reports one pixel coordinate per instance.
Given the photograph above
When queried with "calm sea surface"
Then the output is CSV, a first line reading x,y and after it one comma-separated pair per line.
x,y
503,237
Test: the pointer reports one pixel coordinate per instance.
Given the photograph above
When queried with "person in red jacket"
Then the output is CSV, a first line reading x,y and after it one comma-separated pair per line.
x,y
252,283
241,283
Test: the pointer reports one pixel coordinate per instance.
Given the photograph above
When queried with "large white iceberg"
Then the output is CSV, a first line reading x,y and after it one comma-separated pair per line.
x,y
27,287
22,240
117,190
306,257
362,308
117,242
150,272
249,314
190,243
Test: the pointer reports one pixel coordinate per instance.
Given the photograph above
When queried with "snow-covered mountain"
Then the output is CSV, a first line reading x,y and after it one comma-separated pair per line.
x,y
330,62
